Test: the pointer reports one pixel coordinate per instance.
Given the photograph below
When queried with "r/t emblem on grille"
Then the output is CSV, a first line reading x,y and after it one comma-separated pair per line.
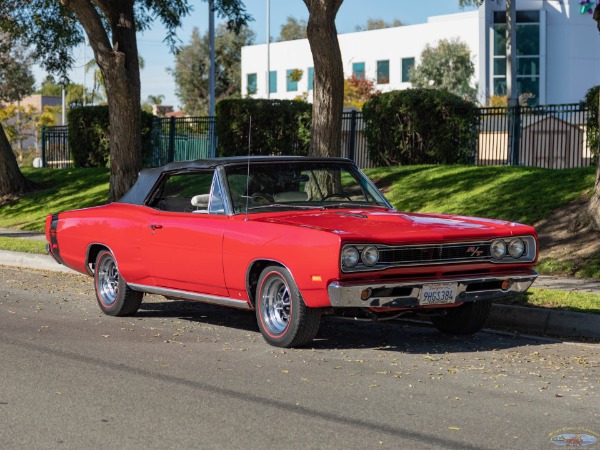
x,y
474,251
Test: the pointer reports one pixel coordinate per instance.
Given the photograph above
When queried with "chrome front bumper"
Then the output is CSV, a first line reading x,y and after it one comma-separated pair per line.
x,y
406,294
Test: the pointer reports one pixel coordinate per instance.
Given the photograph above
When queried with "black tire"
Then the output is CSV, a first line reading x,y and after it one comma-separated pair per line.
x,y
114,297
283,318
465,319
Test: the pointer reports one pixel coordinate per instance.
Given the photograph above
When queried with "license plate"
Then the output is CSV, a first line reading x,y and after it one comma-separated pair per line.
x,y
438,294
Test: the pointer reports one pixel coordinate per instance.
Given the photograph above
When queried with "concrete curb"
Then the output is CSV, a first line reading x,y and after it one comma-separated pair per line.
x,y
548,321
31,261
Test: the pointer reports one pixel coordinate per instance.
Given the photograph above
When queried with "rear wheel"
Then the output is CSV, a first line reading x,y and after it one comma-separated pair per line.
x,y
114,297
283,318
465,319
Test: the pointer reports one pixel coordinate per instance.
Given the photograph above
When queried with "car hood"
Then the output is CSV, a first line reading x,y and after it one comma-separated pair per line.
x,y
399,227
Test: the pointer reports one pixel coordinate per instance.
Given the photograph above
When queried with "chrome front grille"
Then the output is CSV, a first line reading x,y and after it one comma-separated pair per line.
x,y
391,256
434,254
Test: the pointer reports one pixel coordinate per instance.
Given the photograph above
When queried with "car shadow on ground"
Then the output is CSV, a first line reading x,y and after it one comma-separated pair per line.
x,y
342,334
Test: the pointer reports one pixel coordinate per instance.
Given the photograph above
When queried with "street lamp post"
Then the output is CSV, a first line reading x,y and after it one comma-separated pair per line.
x,y
211,76
211,79
268,49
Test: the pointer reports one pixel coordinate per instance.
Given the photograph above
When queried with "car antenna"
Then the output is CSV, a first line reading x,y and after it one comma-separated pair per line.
x,y
248,171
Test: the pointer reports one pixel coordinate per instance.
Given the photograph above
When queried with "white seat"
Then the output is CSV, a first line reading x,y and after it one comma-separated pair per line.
x,y
201,201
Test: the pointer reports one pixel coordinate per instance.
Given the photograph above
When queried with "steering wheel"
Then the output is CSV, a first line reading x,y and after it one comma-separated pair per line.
x,y
337,194
262,198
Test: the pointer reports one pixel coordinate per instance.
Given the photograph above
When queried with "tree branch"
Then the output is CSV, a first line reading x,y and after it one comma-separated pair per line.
x,y
91,22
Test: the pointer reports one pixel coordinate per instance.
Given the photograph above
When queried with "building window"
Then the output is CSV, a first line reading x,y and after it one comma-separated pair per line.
x,y
528,55
311,78
407,65
272,81
251,83
358,70
292,77
383,72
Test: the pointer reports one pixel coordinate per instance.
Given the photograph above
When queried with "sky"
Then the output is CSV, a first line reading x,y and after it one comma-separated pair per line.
x,y
157,57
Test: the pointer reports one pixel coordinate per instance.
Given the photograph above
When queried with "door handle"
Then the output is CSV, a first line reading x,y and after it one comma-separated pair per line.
x,y
155,227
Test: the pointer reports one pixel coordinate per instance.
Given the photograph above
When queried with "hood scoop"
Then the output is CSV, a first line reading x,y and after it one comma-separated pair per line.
x,y
351,214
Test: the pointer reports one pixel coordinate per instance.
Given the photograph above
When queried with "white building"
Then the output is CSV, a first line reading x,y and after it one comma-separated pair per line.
x,y
558,57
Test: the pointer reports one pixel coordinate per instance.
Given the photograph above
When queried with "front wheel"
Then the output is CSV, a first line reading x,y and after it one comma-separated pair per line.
x,y
114,297
465,319
283,318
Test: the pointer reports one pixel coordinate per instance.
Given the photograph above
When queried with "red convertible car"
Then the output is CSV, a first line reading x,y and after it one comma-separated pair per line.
x,y
292,238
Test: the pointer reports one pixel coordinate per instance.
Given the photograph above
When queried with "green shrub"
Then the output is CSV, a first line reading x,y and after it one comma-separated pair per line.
x,y
420,126
591,102
279,127
89,135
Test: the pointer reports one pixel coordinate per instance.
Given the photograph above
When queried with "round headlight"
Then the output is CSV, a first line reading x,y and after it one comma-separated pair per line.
x,y
498,249
369,255
350,257
516,248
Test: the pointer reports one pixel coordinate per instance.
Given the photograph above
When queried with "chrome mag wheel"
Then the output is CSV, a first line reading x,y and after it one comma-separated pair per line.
x,y
108,281
275,304
283,318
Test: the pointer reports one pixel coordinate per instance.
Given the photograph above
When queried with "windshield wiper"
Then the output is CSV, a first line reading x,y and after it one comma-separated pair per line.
x,y
281,205
353,205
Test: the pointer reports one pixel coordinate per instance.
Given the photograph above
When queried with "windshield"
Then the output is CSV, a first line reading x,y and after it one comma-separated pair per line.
x,y
289,185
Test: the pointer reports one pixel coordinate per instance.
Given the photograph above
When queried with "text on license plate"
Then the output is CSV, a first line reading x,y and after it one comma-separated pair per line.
x,y
438,293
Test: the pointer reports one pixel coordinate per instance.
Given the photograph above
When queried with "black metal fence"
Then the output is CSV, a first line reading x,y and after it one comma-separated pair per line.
x,y
182,139
55,147
550,136
354,143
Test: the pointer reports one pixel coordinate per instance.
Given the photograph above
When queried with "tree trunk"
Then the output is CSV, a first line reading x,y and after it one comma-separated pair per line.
x,y
593,209
119,65
12,181
328,94
594,204
122,77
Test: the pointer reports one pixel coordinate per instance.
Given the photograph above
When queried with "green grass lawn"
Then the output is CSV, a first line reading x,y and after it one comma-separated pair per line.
x,y
547,298
589,268
60,190
22,245
520,194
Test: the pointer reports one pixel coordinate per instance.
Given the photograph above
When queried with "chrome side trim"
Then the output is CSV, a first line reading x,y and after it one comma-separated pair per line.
x,y
185,295
348,295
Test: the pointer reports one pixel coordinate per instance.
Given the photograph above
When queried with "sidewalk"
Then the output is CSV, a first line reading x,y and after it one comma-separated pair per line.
x,y
518,318
568,284
33,235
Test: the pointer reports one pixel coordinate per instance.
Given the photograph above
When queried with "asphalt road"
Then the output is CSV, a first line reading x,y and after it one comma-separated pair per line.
x,y
186,375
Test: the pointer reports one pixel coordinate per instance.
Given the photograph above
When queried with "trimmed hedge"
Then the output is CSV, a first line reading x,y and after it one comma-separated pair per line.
x,y
591,101
89,132
420,126
279,127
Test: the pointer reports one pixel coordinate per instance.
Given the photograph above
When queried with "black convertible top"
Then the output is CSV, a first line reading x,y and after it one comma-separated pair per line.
x,y
147,178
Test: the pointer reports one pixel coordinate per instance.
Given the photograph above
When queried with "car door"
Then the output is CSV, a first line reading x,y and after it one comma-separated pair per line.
x,y
184,234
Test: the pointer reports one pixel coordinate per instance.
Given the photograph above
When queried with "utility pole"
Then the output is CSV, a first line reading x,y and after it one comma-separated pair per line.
x,y
63,115
85,44
511,52
268,49
211,80
211,76
511,80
